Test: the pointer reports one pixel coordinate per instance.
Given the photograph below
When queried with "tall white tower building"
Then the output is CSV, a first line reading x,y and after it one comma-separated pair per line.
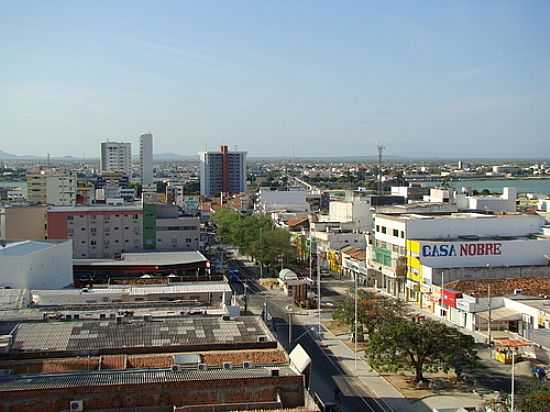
x,y
146,158
116,157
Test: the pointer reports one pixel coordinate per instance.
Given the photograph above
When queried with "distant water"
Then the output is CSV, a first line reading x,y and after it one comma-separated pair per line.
x,y
496,185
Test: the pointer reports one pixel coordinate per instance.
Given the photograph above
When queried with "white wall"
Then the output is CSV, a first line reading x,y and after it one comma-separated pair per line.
x,y
519,252
45,268
483,226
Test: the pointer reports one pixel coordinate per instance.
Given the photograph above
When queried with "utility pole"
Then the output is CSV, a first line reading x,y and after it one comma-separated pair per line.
x,y
513,379
289,331
261,248
355,323
319,290
380,148
489,314
310,257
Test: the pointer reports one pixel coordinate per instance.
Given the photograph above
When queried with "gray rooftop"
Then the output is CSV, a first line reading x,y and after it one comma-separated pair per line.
x,y
107,335
26,247
132,377
150,258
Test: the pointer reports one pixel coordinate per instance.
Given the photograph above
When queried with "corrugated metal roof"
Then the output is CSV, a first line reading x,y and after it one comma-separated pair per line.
x,y
132,377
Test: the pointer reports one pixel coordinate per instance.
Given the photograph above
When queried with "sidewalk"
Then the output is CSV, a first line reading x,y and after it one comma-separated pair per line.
x,y
371,384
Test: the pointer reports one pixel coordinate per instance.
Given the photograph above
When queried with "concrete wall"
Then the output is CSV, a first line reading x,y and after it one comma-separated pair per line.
x,y
185,393
483,226
23,223
45,268
182,233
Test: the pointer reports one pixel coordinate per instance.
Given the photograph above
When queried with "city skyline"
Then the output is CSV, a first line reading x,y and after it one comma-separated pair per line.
x,y
290,80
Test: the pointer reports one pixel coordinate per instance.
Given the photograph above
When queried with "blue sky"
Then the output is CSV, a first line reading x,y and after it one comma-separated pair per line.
x,y
318,78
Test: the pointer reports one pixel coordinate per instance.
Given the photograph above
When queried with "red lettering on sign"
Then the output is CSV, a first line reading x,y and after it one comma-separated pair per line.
x,y
472,249
489,248
463,250
480,249
498,250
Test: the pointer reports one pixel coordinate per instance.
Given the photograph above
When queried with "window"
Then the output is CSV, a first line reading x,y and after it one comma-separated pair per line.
x,y
395,232
92,242
70,217
402,234
383,229
82,229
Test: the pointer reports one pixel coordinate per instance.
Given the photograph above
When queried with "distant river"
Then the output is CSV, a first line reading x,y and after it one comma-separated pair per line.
x,y
496,185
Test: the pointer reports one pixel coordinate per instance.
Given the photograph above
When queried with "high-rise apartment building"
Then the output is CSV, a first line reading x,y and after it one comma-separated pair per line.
x,y
146,158
222,172
116,157
56,187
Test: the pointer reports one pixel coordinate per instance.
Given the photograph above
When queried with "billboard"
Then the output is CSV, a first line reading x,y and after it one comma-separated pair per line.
x,y
480,253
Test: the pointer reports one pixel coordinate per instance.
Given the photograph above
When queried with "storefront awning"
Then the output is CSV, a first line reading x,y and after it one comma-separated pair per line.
x,y
501,314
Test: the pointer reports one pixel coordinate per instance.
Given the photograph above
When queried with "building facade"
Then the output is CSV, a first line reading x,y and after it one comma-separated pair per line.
x,y
222,172
25,222
36,265
56,187
100,231
146,158
164,228
410,249
116,157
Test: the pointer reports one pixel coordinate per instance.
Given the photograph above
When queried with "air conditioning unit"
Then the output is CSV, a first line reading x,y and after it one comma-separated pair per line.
x,y
76,406
247,365
274,372
227,365
203,366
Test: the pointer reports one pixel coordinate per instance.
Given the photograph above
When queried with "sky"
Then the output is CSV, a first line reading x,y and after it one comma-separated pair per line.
x,y
277,78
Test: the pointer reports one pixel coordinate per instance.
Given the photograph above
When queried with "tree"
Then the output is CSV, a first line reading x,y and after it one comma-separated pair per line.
x,y
372,311
404,344
535,399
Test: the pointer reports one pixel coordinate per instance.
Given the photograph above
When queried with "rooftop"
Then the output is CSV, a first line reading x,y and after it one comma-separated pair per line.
x,y
27,247
108,336
132,377
136,206
539,286
148,258
181,288
447,216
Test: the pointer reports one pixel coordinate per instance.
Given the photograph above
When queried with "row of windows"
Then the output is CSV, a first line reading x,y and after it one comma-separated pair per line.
x,y
394,232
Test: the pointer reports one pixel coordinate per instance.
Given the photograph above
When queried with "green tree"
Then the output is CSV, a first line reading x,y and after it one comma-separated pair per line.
x,y
372,311
404,344
535,399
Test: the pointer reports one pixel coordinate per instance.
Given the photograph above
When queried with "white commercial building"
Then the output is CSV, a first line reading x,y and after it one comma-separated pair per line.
x,y
268,201
116,157
36,264
356,211
146,158
503,203
409,248
56,187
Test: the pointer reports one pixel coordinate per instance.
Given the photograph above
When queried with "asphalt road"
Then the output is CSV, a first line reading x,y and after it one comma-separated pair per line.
x,y
324,369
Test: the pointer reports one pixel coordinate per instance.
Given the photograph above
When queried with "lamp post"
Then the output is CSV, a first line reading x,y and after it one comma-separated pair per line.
x,y
355,321
513,352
